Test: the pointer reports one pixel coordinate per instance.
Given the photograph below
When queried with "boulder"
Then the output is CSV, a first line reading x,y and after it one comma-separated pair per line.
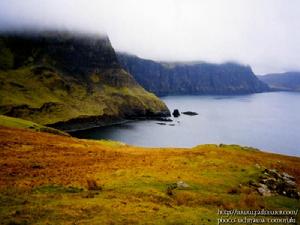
x,y
264,190
176,113
274,173
182,185
271,183
285,175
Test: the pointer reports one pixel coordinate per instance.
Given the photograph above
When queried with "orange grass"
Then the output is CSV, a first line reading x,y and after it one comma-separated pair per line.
x,y
44,180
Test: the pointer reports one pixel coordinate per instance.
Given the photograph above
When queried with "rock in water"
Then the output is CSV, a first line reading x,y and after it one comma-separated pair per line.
x,y
176,113
190,113
161,123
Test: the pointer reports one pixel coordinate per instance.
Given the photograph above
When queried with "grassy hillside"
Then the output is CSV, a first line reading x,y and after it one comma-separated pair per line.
x,y
47,97
58,77
49,179
7,121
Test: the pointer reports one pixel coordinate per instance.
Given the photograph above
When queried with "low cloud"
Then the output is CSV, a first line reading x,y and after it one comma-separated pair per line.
x,y
262,33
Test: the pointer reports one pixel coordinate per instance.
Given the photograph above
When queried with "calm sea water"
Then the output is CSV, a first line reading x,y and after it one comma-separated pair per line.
x,y
268,121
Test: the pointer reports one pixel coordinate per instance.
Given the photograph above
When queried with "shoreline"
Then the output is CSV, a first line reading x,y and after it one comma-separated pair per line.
x,y
98,126
90,122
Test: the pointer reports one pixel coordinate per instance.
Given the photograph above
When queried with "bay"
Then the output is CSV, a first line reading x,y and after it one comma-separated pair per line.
x,y
268,121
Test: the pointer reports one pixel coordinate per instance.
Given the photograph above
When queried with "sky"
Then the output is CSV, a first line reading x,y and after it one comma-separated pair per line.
x,y
264,34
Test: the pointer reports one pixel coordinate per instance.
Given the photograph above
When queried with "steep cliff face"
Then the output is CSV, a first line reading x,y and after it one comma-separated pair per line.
x,y
192,78
289,81
68,79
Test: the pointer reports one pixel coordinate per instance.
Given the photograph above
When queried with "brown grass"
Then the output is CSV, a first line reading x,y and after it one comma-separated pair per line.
x,y
92,185
133,181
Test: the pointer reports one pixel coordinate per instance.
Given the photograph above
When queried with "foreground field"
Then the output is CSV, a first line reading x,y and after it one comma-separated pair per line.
x,y
51,179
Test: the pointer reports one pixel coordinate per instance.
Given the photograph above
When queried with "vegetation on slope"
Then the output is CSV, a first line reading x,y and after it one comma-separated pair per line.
x,y
7,121
58,77
49,179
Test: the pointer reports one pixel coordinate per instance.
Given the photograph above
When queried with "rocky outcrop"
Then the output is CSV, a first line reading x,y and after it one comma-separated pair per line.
x,y
179,185
193,77
272,182
176,113
63,79
190,113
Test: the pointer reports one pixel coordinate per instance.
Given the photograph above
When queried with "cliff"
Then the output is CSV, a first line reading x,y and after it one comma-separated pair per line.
x,y
289,81
69,81
192,78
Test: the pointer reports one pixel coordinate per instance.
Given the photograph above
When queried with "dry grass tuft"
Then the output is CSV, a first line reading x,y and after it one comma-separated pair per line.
x,y
93,186
186,198
251,201
233,191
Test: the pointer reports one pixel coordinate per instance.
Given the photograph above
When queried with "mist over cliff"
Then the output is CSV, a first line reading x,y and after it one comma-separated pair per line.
x,y
264,34
70,79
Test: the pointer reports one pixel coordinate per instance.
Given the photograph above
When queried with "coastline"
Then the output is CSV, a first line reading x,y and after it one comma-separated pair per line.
x,y
90,122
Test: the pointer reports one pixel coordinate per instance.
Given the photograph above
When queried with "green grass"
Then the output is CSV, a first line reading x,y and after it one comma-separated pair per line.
x,y
8,121
70,98
45,181
57,189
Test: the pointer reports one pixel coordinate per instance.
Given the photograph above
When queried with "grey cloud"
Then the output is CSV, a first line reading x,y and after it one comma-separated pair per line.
x,y
262,33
